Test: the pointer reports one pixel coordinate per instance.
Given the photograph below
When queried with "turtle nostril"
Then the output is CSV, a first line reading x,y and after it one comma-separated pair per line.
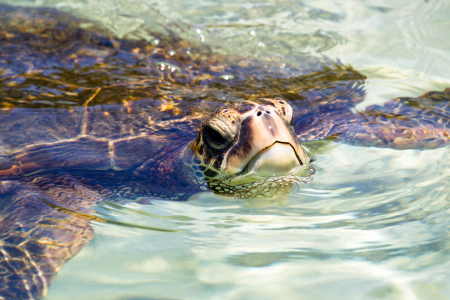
x,y
258,114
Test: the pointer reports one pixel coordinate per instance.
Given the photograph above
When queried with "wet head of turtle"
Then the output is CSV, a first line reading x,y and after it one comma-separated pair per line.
x,y
250,150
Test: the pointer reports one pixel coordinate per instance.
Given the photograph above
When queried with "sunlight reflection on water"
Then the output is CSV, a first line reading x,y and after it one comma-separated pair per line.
x,y
373,224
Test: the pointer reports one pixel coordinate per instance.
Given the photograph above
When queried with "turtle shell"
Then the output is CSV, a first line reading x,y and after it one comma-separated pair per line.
x,y
80,99
85,116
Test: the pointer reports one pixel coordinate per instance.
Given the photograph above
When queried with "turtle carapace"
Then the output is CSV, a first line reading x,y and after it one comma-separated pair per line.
x,y
87,117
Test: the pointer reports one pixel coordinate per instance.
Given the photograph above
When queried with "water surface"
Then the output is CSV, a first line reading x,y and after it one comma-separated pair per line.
x,y
374,223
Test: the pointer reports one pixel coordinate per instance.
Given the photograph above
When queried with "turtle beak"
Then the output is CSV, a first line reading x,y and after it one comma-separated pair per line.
x,y
266,147
277,160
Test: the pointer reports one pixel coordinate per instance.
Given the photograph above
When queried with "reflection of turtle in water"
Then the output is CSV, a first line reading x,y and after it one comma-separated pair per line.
x,y
85,117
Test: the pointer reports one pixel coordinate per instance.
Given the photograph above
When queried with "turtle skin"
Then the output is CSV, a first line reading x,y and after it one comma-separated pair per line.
x,y
87,117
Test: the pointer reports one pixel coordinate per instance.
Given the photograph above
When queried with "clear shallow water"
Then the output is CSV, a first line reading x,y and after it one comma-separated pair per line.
x,y
373,224
372,227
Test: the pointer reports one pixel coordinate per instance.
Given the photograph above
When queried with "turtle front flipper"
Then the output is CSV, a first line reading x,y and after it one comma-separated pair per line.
x,y
403,123
38,233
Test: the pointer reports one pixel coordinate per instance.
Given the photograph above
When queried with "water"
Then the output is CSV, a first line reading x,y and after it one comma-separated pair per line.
x,y
378,230
374,223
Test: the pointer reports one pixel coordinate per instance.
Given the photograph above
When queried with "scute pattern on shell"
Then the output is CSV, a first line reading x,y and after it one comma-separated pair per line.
x,y
110,119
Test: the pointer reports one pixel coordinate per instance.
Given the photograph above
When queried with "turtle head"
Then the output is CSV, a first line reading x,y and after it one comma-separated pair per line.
x,y
249,150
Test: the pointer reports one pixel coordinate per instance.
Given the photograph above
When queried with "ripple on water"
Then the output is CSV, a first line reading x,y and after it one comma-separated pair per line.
x,y
374,223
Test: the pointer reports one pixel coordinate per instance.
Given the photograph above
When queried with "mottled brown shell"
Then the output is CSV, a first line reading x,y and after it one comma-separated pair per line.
x,y
109,104
85,116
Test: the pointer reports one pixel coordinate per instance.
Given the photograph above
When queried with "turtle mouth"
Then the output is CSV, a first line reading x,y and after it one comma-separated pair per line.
x,y
276,160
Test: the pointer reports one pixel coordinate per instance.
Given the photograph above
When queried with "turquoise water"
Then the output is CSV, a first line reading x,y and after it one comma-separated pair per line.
x,y
374,223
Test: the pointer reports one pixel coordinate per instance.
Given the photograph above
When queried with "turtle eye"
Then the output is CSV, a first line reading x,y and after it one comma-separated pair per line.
x,y
214,138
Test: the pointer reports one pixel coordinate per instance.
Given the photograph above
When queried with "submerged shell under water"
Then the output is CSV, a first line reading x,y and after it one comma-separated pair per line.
x,y
373,224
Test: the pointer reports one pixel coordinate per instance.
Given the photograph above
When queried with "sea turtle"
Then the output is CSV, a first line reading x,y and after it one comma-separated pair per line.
x,y
87,117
